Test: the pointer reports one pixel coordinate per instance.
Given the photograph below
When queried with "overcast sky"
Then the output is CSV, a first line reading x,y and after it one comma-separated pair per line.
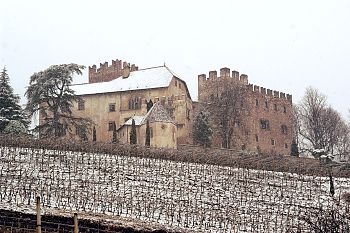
x,y
281,45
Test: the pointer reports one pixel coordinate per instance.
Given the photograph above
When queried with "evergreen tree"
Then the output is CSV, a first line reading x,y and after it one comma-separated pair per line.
x,y
149,105
10,110
114,135
133,139
294,149
201,130
50,93
148,135
94,134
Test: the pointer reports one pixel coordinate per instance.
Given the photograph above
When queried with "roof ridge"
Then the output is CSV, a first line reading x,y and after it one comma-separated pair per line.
x,y
153,67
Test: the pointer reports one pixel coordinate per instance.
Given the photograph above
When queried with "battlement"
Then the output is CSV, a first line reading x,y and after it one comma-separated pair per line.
x,y
205,83
224,73
107,73
269,92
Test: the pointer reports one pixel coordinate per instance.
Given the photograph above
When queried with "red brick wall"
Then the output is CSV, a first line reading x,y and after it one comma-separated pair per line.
x,y
250,135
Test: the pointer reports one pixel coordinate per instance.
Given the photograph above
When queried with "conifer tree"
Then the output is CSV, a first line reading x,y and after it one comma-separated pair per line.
x,y
10,110
201,130
294,148
50,93
133,139
148,135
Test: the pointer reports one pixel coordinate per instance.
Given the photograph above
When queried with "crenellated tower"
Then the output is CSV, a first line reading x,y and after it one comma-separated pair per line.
x,y
107,73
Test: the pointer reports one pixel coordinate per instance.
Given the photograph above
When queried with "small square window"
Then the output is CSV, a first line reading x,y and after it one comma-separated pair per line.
x,y
112,107
256,138
81,105
286,145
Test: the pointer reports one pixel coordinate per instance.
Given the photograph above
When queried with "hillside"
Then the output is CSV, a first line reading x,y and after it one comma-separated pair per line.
x,y
186,195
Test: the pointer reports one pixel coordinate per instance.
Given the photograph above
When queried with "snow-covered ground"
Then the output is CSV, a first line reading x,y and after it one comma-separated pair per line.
x,y
197,196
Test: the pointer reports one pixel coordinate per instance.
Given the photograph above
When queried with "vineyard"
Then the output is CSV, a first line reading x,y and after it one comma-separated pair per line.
x,y
185,195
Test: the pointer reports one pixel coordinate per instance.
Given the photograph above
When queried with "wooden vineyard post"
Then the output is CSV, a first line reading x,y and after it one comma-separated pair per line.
x,y
76,223
38,215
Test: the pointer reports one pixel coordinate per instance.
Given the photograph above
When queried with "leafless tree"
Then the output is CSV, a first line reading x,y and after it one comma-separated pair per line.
x,y
319,125
227,107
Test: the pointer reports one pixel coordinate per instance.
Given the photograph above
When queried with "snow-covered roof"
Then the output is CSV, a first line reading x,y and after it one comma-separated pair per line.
x,y
154,77
138,120
156,114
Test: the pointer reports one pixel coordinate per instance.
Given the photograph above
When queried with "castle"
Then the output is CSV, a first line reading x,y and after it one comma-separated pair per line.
x,y
118,93
115,94
267,125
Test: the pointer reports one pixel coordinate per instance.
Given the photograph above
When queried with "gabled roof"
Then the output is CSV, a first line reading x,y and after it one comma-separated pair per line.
x,y
156,114
155,77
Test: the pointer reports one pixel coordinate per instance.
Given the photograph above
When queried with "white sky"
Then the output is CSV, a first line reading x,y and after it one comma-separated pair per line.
x,y
281,45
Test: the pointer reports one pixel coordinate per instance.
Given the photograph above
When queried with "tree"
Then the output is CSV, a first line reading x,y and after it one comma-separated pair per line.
x,y
10,110
294,148
319,125
15,127
202,131
133,138
227,107
94,134
149,105
114,135
148,135
50,94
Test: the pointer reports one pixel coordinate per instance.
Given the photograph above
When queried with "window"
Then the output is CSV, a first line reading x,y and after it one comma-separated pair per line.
x,y
286,145
264,124
266,104
284,129
256,138
273,142
134,103
275,107
257,102
175,83
179,85
111,126
81,105
284,109
112,107
243,147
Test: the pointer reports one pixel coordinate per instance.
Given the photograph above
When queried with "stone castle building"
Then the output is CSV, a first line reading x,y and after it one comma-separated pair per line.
x,y
267,126
117,93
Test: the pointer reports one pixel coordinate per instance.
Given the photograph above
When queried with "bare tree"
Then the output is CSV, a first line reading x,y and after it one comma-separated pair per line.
x,y
319,125
227,108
